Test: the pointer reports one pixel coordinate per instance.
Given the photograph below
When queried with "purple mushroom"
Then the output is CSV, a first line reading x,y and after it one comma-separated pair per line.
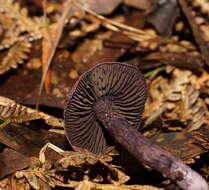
x,y
110,98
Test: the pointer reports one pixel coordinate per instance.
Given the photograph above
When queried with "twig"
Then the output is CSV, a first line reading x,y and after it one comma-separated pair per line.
x,y
67,12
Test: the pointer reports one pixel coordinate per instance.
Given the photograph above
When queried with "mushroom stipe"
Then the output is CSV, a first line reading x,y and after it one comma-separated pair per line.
x,y
111,96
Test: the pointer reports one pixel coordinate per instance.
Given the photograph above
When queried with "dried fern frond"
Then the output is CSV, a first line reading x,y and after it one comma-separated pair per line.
x,y
9,109
189,109
16,55
115,176
179,101
192,110
16,113
17,25
26,23
10,31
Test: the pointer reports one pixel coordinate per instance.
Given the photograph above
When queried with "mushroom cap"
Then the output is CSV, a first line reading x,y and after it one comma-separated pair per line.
x,y
126,87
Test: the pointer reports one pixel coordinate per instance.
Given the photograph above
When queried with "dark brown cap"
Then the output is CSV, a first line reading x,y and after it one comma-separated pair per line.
x,y
126,87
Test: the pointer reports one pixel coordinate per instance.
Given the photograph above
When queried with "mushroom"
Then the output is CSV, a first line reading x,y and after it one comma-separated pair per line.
x,y
110,98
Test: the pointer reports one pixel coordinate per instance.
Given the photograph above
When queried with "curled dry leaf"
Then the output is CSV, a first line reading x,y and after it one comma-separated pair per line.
x,y
52,43
76,159
83,156
49,34
115,175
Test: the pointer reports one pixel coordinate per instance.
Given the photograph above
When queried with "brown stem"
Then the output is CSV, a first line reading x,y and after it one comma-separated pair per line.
x,y
152,155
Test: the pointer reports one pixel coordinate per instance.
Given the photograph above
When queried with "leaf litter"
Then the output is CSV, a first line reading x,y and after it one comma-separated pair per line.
x,y
51,44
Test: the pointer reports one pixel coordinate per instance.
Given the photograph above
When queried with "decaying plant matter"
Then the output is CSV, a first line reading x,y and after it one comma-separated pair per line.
x,y
101,98
20,49
180,100
47,45
14,112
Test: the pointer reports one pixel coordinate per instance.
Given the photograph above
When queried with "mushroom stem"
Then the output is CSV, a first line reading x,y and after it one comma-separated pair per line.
x,y
150,154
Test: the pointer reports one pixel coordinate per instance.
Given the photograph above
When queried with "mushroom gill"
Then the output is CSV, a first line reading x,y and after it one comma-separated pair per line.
x,y
122,83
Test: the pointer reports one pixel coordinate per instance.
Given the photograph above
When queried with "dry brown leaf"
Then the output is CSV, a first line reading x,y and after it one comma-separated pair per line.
x,y
77,159
71,158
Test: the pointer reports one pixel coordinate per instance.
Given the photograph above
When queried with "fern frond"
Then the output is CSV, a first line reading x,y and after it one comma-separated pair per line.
x,y
10,110
10,31
16,113
26,23
190,109
16,55
17,25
